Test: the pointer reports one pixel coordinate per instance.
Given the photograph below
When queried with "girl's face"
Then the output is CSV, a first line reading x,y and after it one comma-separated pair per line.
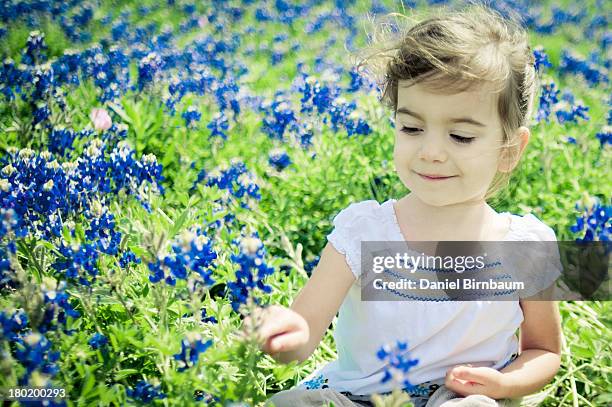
x,y
455,137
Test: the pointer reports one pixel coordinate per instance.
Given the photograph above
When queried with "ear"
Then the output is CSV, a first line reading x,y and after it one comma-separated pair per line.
x,y
510,156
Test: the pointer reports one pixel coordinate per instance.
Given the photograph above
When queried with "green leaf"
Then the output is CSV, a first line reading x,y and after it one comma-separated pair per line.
x,y
178,224
582,352
88,383
123,373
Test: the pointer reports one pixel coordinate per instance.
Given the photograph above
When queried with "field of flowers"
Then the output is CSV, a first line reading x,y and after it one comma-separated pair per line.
x,y
165,166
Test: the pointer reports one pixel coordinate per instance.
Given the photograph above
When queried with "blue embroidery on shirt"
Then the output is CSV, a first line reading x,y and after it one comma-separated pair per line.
x,y
318,382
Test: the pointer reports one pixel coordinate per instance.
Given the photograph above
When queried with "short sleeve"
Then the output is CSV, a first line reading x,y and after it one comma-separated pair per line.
x,y
541,262
350,225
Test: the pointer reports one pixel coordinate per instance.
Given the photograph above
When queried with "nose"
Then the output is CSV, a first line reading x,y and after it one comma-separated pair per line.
x,y
432,149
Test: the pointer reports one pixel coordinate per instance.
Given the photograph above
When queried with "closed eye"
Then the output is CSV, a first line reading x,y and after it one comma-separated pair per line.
x,y
461,139
410,130
457,138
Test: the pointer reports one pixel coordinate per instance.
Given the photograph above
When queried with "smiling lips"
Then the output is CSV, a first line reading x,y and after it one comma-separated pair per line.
x,y
434,177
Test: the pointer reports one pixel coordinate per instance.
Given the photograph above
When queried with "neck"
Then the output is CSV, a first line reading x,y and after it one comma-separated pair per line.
x,y
472,215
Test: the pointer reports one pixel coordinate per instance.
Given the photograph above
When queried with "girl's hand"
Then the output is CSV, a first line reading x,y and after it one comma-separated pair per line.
x,y
466,380
278,329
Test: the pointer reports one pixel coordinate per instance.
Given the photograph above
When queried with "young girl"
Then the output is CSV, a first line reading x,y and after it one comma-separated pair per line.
x,y
462,86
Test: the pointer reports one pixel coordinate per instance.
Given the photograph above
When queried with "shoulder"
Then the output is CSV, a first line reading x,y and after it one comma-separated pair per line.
x,y
358,212
530,228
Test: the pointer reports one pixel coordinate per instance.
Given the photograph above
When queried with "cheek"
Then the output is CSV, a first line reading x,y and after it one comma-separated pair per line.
x,y
402,149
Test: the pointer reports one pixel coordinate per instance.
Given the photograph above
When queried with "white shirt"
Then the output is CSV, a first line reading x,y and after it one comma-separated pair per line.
x,y
439,334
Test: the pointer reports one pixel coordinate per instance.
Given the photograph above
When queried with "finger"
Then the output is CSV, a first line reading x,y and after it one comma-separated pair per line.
x,y
285,342
464,388
272,328
280,324
471,374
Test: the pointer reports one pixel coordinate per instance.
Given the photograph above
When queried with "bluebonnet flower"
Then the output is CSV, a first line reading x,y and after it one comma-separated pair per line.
x,y
149,69
323,97
192,250
541,58
598,21
192,115
191,347
339,112
359,81
127,258
66,68
102,229
136,177
595,221
205,318
236,179
548,98
560,16
145,392
97,341
279,159
218,125
119,30
605,136
571,63
57,305
76,259
569,113
34,352
42,83
309,266
35,50
14,325
83,15
252,272
8,277
278,118
571,140
397,364
41,114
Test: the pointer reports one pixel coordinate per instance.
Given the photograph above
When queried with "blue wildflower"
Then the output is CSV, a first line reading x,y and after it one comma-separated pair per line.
x,y
13,325
251,274
604,136
541,58
218,125
279,159
548,98
569,113
595,221
397,364
571,63
97,341
205,318
145,392
34,352
192,115
149,69
191,347
35,50
192,250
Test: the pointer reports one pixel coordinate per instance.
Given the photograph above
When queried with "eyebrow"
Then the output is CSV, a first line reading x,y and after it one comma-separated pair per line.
x,y
468,120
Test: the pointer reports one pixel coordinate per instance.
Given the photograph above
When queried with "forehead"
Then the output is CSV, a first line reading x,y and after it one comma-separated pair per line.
x,y
479,103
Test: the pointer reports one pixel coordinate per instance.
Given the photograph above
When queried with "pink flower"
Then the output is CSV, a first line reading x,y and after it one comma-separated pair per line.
x,y
100,118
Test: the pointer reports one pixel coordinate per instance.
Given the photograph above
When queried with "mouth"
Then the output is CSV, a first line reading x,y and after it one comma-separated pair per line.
x,y
434,177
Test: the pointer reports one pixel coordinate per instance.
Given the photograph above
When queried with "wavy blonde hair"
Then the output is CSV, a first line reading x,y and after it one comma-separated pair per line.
x,y
456,50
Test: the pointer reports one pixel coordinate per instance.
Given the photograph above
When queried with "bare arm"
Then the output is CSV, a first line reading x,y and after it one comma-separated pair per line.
x,y
319,301
537,364
540,343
